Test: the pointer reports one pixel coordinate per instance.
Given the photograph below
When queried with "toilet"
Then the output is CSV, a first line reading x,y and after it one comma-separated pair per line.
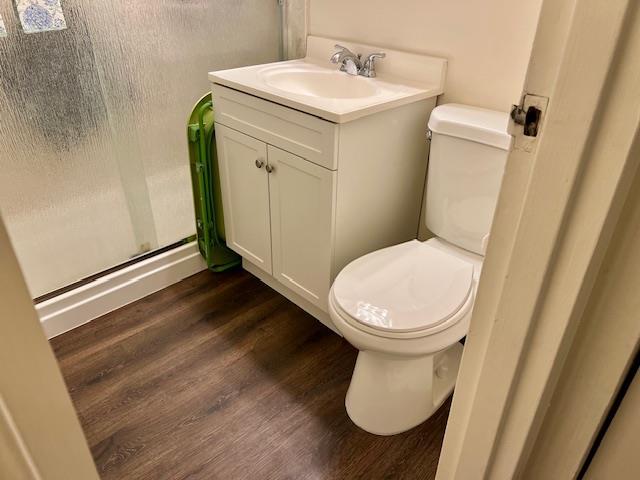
x,y
406,307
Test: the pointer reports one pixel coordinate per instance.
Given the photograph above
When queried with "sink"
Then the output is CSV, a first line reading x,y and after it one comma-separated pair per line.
x,y
322,84
315,86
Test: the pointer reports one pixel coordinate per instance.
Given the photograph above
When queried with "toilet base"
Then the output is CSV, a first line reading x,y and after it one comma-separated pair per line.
x,y
390,394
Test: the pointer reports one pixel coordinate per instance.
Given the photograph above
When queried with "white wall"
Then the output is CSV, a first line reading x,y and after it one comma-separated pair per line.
x,y
487,42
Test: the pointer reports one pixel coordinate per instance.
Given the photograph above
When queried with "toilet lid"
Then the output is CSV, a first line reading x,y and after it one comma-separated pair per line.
x,y
404,288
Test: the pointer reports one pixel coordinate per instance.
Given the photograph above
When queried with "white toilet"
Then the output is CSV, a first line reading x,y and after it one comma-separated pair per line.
x,y
407,306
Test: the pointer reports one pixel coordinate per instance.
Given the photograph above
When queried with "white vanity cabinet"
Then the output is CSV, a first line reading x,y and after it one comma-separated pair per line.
x,y
278,212
303,196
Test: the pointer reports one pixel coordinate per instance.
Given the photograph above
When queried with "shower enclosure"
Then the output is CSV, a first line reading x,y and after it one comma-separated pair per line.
x,y
93,154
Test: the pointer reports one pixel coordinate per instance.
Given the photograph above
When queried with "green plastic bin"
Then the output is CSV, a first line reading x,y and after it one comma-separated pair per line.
x,y
205,179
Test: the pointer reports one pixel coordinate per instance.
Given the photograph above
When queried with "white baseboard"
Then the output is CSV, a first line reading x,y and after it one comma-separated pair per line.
x,y
81,305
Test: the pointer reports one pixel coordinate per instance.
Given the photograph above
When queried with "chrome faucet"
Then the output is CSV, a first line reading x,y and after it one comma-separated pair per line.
x,y
352,64
349,62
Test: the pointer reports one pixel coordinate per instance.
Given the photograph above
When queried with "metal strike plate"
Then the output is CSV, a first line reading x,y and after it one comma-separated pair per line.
x,y
526,121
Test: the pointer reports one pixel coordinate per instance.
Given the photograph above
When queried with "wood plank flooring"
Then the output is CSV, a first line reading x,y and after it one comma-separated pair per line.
x,y
220,377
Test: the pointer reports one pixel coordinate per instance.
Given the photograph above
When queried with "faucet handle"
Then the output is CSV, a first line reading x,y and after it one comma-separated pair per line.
x,y
369,69
372,56
340,54
337,56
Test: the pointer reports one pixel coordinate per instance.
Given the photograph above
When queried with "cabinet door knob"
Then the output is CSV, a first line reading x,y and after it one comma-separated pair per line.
x,y
269,168
259,163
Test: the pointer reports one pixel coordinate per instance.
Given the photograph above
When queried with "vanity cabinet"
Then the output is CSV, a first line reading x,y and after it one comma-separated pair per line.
x,y
303,196
278,212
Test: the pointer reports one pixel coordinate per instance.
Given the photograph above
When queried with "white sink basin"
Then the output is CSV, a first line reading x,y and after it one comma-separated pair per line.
x,y
315,86
320,84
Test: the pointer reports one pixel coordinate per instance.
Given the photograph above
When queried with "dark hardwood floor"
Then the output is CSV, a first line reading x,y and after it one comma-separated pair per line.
x,y
220,377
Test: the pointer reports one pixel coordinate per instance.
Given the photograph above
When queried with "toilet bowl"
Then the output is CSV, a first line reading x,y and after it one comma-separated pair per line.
x,y
406,307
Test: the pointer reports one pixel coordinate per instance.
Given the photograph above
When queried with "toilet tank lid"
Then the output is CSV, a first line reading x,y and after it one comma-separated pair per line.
x,y
471,123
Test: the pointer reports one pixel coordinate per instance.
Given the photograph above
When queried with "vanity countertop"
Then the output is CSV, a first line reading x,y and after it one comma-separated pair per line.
x,y
313,85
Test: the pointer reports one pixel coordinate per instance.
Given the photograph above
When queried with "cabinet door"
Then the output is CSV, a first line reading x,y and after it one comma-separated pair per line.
x,y
302,213
245,195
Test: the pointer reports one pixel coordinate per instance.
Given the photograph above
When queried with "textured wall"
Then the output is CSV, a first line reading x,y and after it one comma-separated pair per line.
x,y
93,156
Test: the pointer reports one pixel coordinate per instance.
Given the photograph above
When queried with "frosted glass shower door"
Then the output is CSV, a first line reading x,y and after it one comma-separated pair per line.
x,y
93,154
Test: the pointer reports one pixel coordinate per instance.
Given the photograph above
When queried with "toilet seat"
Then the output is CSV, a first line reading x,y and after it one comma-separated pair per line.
x,y
408,289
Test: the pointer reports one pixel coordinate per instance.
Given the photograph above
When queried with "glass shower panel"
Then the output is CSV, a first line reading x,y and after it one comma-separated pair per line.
x,y
171,43
93,157
60,188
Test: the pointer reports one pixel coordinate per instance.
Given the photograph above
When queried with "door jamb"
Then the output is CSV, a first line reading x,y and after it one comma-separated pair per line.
x,y
553,222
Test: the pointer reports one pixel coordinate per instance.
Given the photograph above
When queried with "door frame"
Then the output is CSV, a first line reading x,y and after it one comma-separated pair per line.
x,y
562,197
617,456
40,435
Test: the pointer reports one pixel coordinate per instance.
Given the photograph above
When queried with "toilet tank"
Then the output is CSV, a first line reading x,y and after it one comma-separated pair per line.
x,y
469,148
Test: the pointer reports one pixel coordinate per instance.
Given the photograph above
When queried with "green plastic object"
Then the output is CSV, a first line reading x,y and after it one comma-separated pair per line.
x,y
207,198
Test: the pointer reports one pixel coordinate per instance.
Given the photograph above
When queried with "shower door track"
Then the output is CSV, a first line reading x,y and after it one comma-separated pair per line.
x,y
96,295
96,276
